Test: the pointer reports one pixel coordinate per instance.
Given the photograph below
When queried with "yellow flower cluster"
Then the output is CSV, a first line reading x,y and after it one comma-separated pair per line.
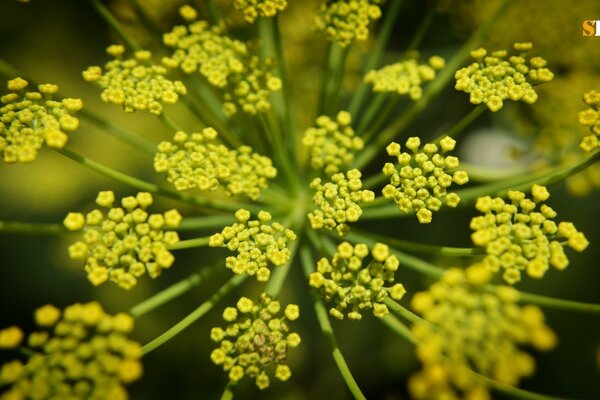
x,y
134,83
421,180
404,78
338,201
252,9
30,119
332,142
124,243
591,118
255,340
80,353
522,236
353,287
466,328
493,78
226,64
345,21
198,161
258,243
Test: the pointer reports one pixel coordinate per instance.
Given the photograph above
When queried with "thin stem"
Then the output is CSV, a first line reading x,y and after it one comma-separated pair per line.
x,y
326,78
327,330
382,116
402,311
373,110
375,55
31,228
190,243
112,21
213,12
169,123
463,123
333,97
398,327
559,304
431,91
218,204
174,291
194,315
423,27
207,222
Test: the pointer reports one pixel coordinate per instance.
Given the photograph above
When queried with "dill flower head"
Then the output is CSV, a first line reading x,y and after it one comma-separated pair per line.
x,y
332,143
493,78
467,328
252,9
420,181
226,63
123,243
256,341
354,287
134,83
259,243
30,119
521,235
79,353
590,118
198,161
345,21
404,78
338,201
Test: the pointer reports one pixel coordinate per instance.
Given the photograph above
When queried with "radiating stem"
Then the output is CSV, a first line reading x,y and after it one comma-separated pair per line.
x,y
402,311
190,243
218,204
423,27
169,123
206,222
463,123
372,111
194,315
326,78
28,228
559,304
335,93
112,21
399,327
173,291
325,324
213,12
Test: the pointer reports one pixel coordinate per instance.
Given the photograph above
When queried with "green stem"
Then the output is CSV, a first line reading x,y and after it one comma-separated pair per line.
x,y
326,78
194,315
190,243
31,228
402,311
372,111
463,123
208,222
112,21
327,330
431,91
398,327
559,304
173,291
335,93
213,12
375,55
168,122
218,204
423,27
382,116
478,173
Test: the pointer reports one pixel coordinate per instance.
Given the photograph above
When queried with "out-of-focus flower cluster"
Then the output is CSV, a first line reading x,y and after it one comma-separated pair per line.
x,y
355,287
493,78
345,21
421,179
256,341
522,236
124,242
332,143
252,9
590,118
225,63
30,119
405,77
134,83
197,160
338,201
466,328
259,244
81,353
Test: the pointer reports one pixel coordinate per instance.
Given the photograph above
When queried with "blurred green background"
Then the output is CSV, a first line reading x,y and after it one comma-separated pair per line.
x,y
54,40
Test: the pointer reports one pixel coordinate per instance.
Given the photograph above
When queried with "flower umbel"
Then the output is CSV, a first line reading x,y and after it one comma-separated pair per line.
x,y
30,119
197,160
355,287
259,244
420,181
522,236
256,342
81,353
263,8
125,242
345,21
590,118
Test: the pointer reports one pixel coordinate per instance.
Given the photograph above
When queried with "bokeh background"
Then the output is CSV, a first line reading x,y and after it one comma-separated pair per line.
x,y
54,40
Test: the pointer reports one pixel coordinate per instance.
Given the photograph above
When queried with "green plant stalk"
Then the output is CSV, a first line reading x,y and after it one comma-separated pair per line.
x,y
463,123
229,392
168,122
559,304
402,311
327,330
31,228
112,21
218,204
372,111
326,78
523,182
333,99
398,327
190,243
194,315
431,91
174,291
382,116
206,222
423,27
374,57
213,12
